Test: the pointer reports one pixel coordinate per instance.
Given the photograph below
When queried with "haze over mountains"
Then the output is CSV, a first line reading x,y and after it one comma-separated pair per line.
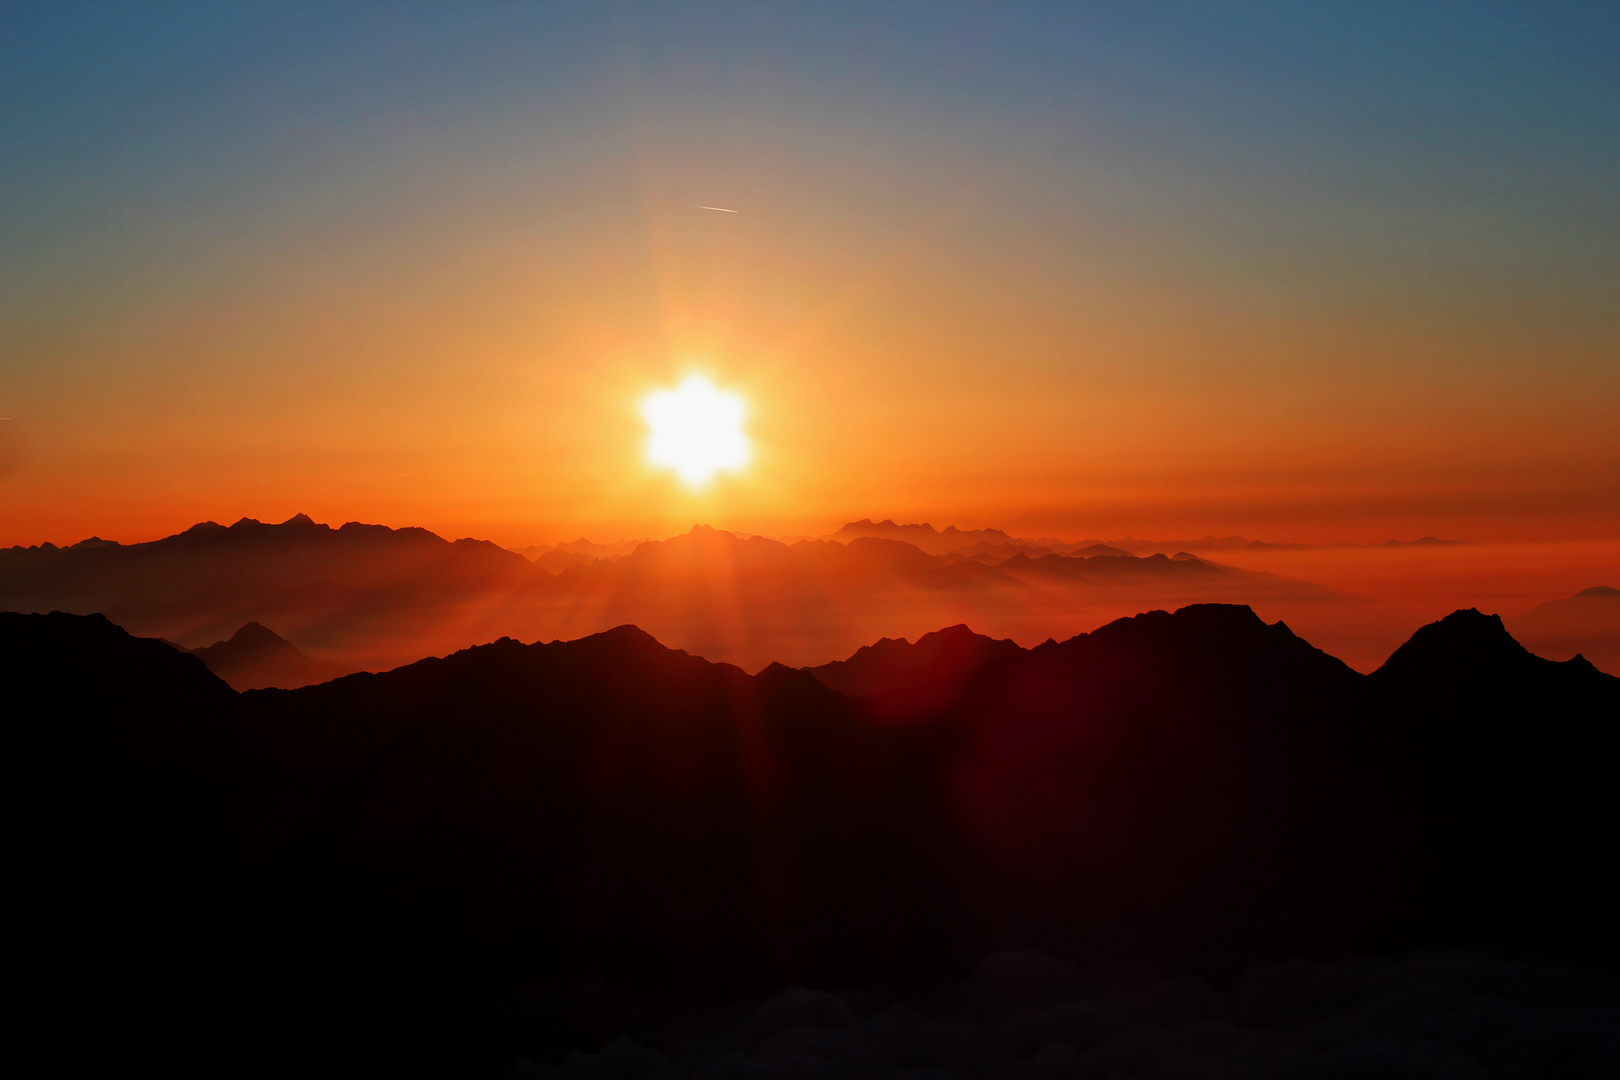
x,y
256,657
1587,623
368,597
518,850
954,541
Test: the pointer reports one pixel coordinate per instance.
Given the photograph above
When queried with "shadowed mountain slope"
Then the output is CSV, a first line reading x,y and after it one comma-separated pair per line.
x,y
904,680
944,656
1508,756
466,855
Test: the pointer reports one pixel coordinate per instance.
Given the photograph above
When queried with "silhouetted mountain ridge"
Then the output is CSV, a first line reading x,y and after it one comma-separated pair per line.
x,y
370,597
292,552
954,541
370,859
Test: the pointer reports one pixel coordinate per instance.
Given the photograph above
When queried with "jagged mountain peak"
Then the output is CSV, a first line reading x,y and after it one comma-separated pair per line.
x,y
947,656
1467,637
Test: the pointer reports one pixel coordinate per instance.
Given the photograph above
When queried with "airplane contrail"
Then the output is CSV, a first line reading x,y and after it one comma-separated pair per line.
x,y
722,209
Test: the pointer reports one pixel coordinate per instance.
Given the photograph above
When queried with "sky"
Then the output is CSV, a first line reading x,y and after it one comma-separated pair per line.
x,y
1308,272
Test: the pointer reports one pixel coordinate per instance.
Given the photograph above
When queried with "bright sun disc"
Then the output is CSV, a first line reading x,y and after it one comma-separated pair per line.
x,y
696,430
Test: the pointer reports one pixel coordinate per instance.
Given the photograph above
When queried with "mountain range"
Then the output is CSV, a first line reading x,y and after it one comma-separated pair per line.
x,y
953,541
368,597
524,848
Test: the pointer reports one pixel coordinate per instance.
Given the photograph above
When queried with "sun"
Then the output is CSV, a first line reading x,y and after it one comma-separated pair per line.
x,y
696,430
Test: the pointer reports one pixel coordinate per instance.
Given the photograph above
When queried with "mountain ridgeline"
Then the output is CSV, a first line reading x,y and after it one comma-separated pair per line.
x,y
370,597
513,848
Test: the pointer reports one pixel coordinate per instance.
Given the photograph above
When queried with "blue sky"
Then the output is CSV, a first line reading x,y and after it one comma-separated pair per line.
x,y
1256,218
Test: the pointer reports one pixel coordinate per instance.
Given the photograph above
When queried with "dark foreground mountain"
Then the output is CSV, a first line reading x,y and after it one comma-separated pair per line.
x,y
912,679
522,849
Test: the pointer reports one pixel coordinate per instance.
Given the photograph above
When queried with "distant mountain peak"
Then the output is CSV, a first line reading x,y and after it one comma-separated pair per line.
x,y
1598,590
889,523
297,521
255,631
469,543
256,656
1095,551
630,635
253,643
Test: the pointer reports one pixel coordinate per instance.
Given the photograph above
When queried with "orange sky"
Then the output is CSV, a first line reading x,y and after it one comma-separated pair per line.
x,y
1171,294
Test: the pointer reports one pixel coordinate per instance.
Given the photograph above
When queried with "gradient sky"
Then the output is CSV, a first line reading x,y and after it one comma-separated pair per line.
x,y
1301,271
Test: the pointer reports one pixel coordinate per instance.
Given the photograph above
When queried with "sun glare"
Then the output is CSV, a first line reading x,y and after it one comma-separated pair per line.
x,y
696,430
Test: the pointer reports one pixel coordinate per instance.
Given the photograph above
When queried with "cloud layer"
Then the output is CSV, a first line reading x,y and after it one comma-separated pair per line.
x,y
1026,1015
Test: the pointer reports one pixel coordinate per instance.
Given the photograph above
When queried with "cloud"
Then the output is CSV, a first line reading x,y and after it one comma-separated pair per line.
x,y
1025,1015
